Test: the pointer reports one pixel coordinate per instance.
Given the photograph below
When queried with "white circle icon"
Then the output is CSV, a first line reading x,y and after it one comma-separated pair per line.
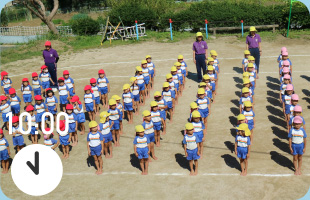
x,y
36,170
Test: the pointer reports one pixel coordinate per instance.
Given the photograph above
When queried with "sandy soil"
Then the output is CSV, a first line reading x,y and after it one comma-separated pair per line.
x,y
270,173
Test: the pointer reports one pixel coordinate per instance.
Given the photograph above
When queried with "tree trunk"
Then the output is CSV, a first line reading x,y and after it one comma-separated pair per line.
x,y
52,27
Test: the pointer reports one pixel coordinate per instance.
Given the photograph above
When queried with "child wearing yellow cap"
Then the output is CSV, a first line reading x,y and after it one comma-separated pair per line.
x,y
191,148
252,60
95,142
203,85
141,145
209,86
252,74
147,77
149,132
172,87
128,100
203,105
157,121
105,126
199,129
247,83
162,107
169,97
119,106
249,115
176,80
141,84
151,67
213,78
245,96
245,60
193,107
242,148
183,66
115,117
216,63
210,61
135,92
181,76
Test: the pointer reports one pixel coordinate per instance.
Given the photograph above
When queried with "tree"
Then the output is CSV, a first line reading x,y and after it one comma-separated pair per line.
x,y
37,7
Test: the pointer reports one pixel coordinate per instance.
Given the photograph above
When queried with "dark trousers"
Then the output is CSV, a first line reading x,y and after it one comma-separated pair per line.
x,y
53,71
200,65
255,53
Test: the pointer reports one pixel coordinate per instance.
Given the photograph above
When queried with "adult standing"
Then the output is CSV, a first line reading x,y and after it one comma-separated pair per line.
x,y
253,44
200,53
51,58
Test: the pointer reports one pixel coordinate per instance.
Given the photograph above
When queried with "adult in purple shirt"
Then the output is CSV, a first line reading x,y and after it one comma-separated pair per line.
x,y
51,58
200,53
253,44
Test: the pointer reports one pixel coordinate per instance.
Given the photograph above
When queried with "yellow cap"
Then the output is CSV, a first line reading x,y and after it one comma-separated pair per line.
x,y
202,84
112,102
165,84
206,77
157,94
143,62
132,79
168,76
210,59
195,114
180,57
116,97
246,81
189,126
154,103
250,65
103,116
173,69
198,34
194,105
245,90
146,113
139,69
126,86
247,104
92,124
139,129
251,58
244,127
201,91
148,56
246,74
210,68
213,53
246,52
240,117
177,64
252,28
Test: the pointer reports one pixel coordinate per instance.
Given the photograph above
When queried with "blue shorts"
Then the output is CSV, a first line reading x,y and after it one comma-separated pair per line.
x,y
15,109
146,80
136,97
107,137
151,137
115,125
169,104
103,90
72,127
89,107
46,84
27,98
64,140
172,93
63,99
37,91
6,90
157,126
184,73
141,87
192,154
199,135
51,109
253,84
151,72
242,152
204,112
176,86
251,124
298,149
143,152
163,114
4,117
80,118
181,81
4,155
18,140
96,150
287,109
71,92
97,100
39,117
128,106
33,130
209,94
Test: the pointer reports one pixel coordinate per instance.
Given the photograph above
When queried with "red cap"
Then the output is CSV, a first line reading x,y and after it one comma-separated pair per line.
x,y
66,72
38,98
69,107
2,98
47,89
47,129
48,43
1,131
15,119
61,79
87,87
62,125
25,80
29,108
101,71
34,74
75,99
4,73
93,80
12,91
43,67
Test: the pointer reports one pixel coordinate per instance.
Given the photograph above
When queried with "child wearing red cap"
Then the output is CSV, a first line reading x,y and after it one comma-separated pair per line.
x,y
97,94
40,108
33,121
64,138
72,124
49,141
4,153
64,94
51,102
6,82
26,91
45,77
18,139
69,82
104,87
36,84
15,102
79,112
89,102
5,109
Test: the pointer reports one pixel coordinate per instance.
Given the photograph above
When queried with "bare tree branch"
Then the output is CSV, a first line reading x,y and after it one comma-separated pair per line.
x,y
54,11
42,7
33,11
37,8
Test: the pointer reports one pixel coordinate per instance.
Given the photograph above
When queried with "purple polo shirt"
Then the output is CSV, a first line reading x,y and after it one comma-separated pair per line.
x,y
253,41
50,56
200,47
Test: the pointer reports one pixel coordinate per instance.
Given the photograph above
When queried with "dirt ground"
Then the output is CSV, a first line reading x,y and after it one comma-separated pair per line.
x,y
270,173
